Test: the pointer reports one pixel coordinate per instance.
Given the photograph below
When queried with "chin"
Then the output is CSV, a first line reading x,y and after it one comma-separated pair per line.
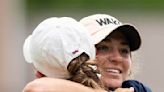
x,y
112,83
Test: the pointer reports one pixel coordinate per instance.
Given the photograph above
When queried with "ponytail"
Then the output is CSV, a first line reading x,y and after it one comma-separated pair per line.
x,y
83,73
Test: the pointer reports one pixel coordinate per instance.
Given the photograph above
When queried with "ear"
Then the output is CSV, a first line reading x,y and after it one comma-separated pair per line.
x,y
38,74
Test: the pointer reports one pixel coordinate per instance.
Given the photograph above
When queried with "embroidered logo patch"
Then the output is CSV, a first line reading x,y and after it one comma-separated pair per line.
x,y
74,52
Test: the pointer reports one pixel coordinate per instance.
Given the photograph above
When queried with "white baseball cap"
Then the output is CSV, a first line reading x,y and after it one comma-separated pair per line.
x,y
101,25
54,43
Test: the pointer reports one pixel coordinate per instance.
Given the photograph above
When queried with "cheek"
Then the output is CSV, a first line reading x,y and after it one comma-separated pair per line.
x,y
129,63
100,60
127,66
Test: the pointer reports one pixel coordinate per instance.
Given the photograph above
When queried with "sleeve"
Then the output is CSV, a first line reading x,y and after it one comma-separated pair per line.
x,y
138,86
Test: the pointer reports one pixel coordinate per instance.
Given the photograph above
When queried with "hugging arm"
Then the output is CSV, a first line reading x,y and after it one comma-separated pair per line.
x,y
57,85
60,85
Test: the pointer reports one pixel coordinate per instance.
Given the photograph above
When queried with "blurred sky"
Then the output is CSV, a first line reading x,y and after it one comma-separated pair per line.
x,y
19,18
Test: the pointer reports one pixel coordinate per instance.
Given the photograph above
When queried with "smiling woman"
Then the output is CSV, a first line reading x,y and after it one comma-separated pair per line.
x,y
114,43
113,58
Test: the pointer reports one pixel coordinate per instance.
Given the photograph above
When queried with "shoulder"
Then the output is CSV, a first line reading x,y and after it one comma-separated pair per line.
x,y
138,86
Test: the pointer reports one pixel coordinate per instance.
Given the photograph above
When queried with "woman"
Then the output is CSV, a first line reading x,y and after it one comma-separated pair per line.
x,y
114,43
61,48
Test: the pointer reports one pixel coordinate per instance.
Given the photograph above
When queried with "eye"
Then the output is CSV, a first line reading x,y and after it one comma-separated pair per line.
x,y
102,49
125,51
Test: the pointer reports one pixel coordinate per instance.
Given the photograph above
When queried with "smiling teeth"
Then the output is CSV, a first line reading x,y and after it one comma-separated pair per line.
x,y
113,70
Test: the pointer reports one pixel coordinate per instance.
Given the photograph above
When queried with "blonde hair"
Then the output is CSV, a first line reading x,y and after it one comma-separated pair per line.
x,y
81,72
135,66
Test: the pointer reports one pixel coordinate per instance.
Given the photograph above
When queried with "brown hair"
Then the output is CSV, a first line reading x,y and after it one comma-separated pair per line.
x,y
83,73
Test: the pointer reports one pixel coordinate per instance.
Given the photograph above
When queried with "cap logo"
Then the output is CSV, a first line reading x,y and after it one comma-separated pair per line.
x,y
74,52
107,21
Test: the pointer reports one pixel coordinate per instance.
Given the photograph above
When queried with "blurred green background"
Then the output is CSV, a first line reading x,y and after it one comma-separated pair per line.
x,y
92,4
37,10
73,7
20,17
143,5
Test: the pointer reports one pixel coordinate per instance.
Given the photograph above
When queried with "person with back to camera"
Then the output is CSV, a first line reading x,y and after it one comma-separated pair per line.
x,y
114,43
61,48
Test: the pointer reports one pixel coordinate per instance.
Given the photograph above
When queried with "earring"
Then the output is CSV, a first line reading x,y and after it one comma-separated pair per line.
x,y
130,73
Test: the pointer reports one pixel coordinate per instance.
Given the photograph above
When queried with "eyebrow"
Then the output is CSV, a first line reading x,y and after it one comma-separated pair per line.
x,y
121,42
125,43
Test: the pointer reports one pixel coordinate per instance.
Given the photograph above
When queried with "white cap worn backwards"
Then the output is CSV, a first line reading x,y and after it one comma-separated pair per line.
x,y
54,43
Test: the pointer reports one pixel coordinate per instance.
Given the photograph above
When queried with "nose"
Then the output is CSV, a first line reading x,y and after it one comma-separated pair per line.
x,y
115,56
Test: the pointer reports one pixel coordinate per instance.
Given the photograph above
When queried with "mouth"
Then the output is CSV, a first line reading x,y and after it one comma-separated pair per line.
x,y
113,71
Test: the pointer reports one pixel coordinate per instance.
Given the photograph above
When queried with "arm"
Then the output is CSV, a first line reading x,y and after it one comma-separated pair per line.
x,y
56,85
60,85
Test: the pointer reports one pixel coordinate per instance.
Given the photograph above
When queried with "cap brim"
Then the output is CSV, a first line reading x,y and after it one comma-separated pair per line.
x,y
26,50
132,35
130,32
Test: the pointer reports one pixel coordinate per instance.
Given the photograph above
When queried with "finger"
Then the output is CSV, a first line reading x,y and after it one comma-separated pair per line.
x,y
131,89
124,89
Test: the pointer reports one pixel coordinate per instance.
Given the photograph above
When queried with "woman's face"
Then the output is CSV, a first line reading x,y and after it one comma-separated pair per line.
x,y
113,59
